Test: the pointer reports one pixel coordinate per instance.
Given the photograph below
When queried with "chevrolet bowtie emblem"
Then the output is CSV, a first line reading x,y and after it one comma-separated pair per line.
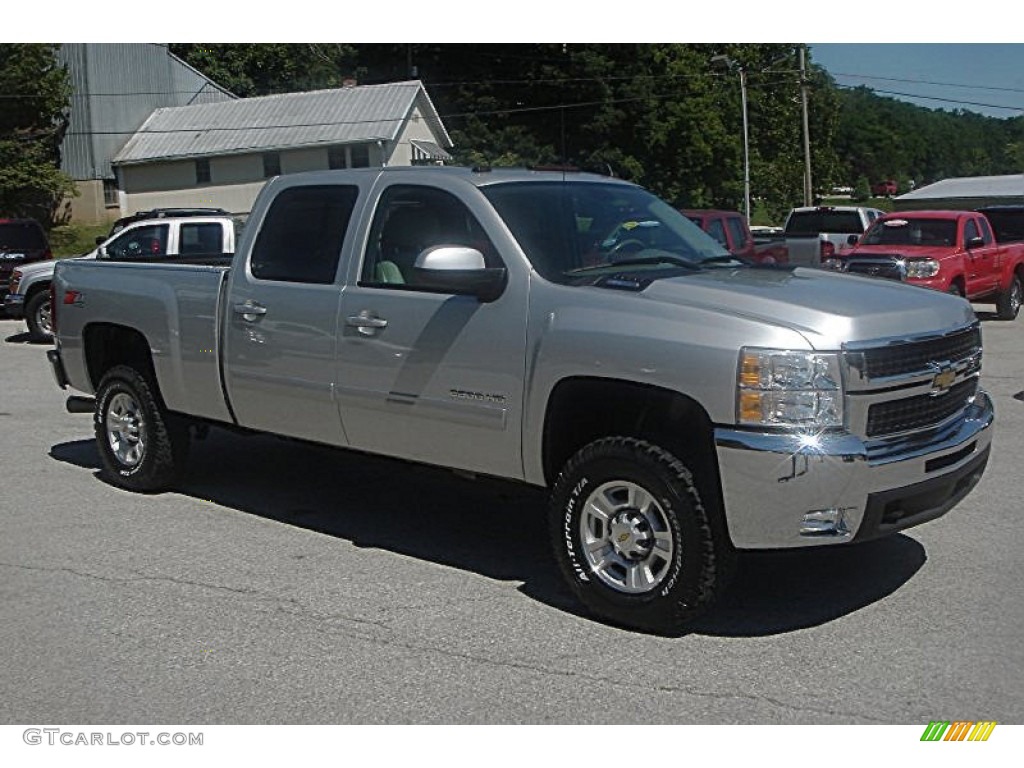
x,y
943,381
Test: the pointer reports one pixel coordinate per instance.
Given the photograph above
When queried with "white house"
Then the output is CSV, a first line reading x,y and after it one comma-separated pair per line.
x,y
221,154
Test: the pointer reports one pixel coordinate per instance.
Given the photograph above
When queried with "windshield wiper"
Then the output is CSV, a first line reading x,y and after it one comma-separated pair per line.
x,y
721,260
676,261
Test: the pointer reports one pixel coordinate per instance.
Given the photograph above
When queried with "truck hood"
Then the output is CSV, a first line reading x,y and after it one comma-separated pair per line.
x,y
827,308
45,268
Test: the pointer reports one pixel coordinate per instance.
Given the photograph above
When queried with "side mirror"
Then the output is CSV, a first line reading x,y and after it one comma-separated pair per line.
x,y
975,242
100,239
460,270
101,252
853,239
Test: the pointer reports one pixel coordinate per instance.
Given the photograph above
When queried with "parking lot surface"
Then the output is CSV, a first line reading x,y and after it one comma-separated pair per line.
x,y
289,583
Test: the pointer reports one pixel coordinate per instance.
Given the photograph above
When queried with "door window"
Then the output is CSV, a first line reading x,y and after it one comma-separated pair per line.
x,y
149,242
717,230
970,231
736,230
411,219
301,237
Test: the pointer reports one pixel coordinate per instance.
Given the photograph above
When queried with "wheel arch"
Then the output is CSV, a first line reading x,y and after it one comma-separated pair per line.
x,y
583,409
107,345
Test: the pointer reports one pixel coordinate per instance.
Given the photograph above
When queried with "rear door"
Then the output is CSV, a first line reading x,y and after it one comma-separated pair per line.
x,y
280,321
426,375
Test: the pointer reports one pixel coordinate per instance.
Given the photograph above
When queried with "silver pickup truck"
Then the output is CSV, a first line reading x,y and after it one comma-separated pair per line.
x,y
562,330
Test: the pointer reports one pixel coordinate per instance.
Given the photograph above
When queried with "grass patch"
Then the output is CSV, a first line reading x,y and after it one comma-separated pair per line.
x,y
76,239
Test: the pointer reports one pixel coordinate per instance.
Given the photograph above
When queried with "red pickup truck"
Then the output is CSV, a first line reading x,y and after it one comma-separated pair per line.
x,y
952,251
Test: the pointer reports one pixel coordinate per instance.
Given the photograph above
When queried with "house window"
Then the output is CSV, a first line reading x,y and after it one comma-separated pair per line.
x,y
336,158
110,193
271,164
360,155
203,171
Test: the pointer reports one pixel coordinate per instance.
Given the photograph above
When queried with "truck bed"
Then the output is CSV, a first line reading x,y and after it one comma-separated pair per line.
x,y
174,304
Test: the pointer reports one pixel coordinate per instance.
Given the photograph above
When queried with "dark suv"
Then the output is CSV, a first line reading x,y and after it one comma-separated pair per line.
x,y
21,241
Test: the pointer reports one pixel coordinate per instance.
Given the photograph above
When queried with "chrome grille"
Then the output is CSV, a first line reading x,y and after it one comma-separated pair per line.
x,y
882,267
919,411
901,359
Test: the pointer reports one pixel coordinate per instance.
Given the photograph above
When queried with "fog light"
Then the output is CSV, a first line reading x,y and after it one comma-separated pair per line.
x,y
825,522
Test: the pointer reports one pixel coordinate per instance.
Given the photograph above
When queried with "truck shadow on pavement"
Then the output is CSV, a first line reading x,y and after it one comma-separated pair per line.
x,y
498,529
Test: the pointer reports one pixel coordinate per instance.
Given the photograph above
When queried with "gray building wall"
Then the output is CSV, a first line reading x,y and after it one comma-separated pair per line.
x,y
115,88
235,179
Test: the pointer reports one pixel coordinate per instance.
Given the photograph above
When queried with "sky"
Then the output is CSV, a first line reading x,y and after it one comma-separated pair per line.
x,y
986,78
972,69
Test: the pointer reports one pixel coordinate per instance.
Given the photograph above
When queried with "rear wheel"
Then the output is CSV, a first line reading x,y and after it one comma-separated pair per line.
x,y
142,447
39,317
1008,302
633,537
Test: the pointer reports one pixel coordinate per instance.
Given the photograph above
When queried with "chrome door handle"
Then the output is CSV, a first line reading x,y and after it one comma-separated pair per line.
x,y
249,310
366,322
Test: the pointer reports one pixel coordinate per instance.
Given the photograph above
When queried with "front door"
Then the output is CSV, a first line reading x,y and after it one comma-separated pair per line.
x,y
430,376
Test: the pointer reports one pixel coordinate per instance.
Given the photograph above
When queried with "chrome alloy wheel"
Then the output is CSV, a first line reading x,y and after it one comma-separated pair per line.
x,y
1016,292
44,318
626,537
124,429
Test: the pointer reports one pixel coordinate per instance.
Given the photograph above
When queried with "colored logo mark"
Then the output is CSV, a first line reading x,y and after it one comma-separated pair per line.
x,y
959,730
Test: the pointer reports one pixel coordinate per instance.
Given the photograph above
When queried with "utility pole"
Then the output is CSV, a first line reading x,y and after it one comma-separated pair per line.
x,y
808,188
728,63
746,145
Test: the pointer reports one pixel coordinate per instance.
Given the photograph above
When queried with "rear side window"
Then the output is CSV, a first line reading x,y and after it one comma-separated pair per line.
x,y
201,239
21,235
301,237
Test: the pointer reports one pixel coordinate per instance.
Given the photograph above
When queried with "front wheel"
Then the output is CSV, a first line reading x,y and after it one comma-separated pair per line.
x,y
633,537
142,447
39,317
1008,302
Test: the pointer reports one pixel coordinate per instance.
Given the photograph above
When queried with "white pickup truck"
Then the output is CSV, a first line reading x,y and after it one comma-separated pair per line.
x,y
563,330
167,238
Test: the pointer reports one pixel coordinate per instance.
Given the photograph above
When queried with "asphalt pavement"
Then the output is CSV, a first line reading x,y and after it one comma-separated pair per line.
x,y
288,583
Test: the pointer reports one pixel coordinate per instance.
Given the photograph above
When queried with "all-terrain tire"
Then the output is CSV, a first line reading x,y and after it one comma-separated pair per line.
x,y
142,447
634,539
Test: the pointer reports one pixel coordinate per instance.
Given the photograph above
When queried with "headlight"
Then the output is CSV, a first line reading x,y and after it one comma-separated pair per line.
x,y
779,388
922,268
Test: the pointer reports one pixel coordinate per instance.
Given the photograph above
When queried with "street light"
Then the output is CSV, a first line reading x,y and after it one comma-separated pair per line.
x,y
724,61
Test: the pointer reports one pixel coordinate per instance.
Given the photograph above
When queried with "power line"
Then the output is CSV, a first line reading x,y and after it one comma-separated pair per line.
x,y
929,82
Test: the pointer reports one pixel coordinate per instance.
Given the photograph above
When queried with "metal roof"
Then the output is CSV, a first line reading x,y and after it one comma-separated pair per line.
x,y
335,116
967,187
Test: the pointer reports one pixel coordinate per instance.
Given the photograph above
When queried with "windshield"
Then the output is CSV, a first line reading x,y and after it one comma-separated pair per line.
x,y
911,231
573,228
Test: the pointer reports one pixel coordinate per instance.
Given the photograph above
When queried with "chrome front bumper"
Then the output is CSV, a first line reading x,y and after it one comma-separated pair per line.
x,y
786,490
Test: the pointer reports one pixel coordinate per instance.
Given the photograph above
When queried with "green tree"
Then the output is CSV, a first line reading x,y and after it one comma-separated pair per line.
x,y
33,122
247,70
